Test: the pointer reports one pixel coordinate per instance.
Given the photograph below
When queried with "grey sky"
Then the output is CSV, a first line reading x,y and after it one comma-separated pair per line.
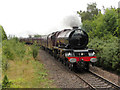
x,y
23,17
119,4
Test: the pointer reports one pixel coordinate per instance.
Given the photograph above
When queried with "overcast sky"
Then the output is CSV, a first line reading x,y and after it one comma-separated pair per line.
x,y
23,17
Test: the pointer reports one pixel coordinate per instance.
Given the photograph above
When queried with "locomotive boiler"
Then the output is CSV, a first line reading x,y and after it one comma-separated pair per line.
x,y
72,39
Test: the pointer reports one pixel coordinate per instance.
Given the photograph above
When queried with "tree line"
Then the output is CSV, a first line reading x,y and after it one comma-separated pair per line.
x,y
104,34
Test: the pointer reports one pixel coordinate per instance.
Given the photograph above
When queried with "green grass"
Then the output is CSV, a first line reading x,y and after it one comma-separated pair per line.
x,y
21,66
24,74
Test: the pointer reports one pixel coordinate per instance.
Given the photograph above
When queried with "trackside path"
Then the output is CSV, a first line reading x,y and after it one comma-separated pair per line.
x,y
62,77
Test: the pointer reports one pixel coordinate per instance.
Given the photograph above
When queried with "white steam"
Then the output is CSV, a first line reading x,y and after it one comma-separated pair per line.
x,y
72,21
67,22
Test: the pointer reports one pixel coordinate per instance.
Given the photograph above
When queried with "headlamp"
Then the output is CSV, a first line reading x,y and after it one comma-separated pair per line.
x,y
93,60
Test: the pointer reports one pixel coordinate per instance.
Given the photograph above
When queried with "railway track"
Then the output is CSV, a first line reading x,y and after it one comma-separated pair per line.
x,y
95,81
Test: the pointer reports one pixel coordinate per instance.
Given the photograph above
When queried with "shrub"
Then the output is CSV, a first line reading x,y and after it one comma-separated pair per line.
x,y
2,33
13,49
35,50
6,83
103,32
107,52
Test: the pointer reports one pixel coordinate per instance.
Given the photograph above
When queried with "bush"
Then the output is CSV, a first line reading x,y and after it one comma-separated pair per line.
x,y
107,52
35,50
6,83
13,49
3,35
103,32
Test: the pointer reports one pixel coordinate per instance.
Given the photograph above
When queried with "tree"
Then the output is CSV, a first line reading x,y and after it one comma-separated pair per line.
x,y
92,10
104,35
4,36
110,20
37,35
117,31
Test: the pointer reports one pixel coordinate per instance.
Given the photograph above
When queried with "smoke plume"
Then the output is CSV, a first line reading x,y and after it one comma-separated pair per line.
x,y
72,21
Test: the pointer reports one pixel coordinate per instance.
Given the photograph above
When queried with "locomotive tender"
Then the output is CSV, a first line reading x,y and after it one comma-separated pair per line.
x,y
70,47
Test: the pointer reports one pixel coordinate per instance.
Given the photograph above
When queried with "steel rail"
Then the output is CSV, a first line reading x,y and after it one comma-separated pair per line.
x,y
91,86
113,84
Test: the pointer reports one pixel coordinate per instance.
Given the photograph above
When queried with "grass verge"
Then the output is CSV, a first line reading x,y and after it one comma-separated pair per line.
x,y
24,74
27,72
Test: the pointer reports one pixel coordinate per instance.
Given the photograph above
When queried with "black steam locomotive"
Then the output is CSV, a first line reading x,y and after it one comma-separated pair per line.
x,y
69,46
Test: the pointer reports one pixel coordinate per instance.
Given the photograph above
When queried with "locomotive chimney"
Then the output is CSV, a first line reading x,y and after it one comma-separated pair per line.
x,y
75,27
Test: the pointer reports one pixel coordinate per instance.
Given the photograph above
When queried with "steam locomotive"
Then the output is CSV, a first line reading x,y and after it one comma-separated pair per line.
x,y
68,46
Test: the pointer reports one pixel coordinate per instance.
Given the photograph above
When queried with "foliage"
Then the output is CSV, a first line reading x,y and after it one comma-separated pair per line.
x,y
104,35
13,49
18,57
4,36
37,35
107,52
35,51
28,75
89,14
103,24
110,20
6,83
18,63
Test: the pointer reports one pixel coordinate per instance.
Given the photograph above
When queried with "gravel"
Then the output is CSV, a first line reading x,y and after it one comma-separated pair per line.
x,y
62,76
108,75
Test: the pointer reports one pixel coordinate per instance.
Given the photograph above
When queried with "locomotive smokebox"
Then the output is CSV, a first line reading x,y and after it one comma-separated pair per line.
x,y
78,39
72,39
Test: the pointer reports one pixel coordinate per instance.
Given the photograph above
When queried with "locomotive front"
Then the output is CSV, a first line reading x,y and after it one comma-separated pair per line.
x,y
72,45
72,39
81,58
78,39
